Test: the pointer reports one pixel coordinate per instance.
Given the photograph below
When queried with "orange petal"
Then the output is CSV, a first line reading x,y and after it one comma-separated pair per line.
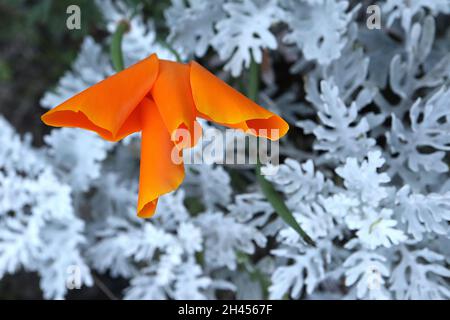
x,y
217,101
172,94
159,174
108,107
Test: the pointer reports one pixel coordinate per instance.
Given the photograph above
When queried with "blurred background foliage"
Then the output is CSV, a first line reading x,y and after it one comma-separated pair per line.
x,y
36,47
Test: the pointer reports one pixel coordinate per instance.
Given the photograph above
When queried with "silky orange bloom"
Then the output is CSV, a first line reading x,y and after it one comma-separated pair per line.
x,y
158,97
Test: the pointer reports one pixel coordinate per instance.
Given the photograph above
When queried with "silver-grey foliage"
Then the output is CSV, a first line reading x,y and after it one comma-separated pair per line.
x,y
372,188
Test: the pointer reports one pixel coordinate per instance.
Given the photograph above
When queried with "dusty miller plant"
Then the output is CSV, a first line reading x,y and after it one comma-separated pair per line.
x,y
364,170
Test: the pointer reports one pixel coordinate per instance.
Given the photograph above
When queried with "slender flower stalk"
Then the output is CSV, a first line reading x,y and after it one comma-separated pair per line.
x,y
116,46
267,188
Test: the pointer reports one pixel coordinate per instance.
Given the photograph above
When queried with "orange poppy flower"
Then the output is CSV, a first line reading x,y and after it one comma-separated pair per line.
x,y
158,97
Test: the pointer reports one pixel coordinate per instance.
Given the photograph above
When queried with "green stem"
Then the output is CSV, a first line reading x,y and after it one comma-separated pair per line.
x,y
267,188
253,82
116,46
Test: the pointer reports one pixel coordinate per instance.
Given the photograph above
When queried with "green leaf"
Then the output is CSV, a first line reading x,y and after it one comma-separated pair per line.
x,y
279,206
